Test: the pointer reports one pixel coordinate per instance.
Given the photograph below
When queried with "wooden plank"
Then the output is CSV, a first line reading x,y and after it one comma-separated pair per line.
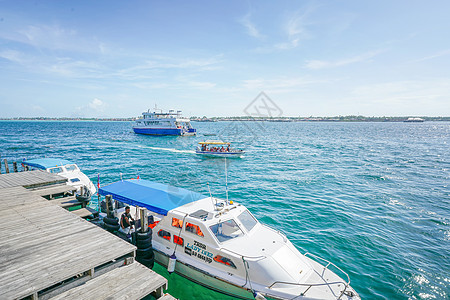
x,y
66,202
133,281
84,212
54,190
30,179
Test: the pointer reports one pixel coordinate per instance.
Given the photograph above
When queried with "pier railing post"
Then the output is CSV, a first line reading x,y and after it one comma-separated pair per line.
x,y
108,200
6,165
144,219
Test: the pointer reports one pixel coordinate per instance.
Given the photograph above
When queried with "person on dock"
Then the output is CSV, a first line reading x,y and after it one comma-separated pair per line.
x,y
126,222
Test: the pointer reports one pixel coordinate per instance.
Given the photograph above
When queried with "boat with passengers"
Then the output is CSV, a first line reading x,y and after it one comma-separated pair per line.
x,y
64,168
219,244
158,122
218,149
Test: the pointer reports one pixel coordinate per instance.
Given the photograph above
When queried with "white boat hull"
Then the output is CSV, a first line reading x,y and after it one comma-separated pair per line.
x,y
221,154
212,282
200,277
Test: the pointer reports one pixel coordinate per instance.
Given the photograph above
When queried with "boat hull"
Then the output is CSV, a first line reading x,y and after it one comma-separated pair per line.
x,y
158,131
221,154
197,276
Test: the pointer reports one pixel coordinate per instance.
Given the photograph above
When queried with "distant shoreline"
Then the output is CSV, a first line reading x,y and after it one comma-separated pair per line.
x,y
249,119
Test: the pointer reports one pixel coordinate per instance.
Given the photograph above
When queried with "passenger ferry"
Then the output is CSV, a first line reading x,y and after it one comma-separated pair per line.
x,y
218,149
66,169
159,123
219,244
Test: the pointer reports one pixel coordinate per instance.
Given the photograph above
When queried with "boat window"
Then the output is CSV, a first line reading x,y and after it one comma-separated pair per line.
x,y
74,180
178,240
177,223
194,229
247,220
164,234
224,260
55,170
71,167
226,230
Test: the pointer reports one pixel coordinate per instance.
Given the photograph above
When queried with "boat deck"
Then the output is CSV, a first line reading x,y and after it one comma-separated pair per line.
x,y
47,251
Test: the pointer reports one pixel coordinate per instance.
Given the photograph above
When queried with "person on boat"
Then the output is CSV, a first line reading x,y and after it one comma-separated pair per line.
x,y
222,149
228,148
203,147
126,222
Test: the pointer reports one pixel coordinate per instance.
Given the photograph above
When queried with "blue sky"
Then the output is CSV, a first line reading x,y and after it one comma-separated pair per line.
x,y
320,58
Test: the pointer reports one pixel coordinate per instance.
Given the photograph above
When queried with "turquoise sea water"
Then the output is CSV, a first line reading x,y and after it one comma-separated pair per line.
x,y
374,198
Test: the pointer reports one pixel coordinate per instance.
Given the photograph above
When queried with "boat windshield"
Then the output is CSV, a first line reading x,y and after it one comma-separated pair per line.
x,y
55,170
226,230
71,167
247,220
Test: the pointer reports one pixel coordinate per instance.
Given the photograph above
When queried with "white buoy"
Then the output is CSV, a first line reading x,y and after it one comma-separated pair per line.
x,y
172,263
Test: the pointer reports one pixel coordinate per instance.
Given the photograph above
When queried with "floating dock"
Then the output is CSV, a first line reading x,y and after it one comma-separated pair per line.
x,y
47,252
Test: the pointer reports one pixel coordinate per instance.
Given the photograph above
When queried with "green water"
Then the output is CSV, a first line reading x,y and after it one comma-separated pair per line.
x,y
373,198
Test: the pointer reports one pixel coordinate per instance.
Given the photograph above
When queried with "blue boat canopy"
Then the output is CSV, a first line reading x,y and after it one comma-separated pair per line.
x,y
156,197
45,163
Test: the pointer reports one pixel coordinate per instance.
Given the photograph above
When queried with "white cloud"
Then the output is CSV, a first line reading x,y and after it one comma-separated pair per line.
x,y
91,109
406,97
321,64
250,27
296,29
13,56
277,83
435,55
97,105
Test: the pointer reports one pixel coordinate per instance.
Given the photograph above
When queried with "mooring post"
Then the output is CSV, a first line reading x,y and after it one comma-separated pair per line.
x,y
6,165
15,166
83,204
108,200
144,219
0,164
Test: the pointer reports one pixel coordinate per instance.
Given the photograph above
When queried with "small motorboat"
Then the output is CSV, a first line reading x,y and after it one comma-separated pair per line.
x,y
218,149
219,244
66,169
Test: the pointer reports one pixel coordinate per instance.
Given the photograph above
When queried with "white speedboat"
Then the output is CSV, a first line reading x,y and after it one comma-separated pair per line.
x,y
65,169
221,245
159,123
218,149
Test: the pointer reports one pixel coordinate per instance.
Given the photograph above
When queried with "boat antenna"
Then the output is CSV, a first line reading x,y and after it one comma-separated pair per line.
x,y
209,189
226,179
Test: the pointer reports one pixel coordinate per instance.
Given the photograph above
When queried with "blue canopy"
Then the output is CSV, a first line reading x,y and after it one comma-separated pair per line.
x,y
45,163
156,197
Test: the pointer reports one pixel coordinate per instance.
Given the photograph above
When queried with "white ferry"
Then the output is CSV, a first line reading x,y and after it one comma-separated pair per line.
x,y
219,244
159,123
66,169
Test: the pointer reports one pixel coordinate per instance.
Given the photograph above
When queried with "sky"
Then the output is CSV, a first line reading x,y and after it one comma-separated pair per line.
x,y
212,58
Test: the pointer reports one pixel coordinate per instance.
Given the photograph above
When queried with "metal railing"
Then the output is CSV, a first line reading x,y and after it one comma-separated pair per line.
x,y
346,283
255,258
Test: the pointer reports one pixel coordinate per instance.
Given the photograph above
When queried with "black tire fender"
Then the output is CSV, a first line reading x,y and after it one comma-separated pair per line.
x,y
142,244
145,253
144,235
111,221
110,227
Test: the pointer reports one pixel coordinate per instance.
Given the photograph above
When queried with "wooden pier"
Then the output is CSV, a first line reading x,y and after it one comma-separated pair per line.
x,y
47,252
